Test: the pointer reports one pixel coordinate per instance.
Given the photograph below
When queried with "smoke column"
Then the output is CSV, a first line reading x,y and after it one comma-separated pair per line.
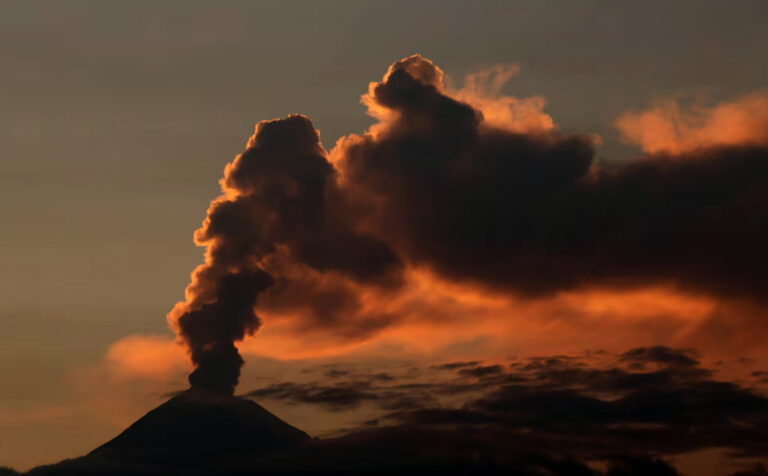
x,y
279,197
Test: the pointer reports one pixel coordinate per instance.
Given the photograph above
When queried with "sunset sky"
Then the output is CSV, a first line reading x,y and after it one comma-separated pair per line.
x,y
401,248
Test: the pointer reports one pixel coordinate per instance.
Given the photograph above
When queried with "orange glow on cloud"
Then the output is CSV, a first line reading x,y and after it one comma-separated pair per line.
x,y
482,90
440,319
668,127
147,357
436,315
430,315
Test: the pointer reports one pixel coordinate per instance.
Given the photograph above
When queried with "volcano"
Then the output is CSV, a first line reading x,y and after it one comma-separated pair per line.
x,y
192,431
199,433
204,433
198,426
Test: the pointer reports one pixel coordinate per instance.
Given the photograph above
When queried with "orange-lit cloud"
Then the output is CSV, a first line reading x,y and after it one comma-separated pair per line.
x,y
440,319
465,222
482,90
669,127
147,357
435,316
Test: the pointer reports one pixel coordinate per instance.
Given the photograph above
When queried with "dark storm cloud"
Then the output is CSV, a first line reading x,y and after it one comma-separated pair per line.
x,y
535,213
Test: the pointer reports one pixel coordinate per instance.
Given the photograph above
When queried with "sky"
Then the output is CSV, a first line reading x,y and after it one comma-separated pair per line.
x,y
119,118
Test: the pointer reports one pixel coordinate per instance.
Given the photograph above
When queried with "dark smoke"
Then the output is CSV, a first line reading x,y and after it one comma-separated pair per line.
x,y
434,185
280,195
535,214
212,329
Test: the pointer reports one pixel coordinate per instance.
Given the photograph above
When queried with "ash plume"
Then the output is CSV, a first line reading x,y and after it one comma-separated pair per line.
x,y
535,213
279,196
510,204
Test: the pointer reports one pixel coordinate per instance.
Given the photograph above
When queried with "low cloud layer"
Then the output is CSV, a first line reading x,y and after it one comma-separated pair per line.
x,y
649,400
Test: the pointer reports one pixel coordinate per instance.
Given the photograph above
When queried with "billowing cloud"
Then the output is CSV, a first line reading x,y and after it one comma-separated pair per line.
x,y
468,209
534,213
279,199
668,127
482,91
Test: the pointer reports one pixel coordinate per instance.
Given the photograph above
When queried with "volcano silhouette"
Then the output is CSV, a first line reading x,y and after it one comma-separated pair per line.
x,y
198,426
191,433
197,433
202,433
